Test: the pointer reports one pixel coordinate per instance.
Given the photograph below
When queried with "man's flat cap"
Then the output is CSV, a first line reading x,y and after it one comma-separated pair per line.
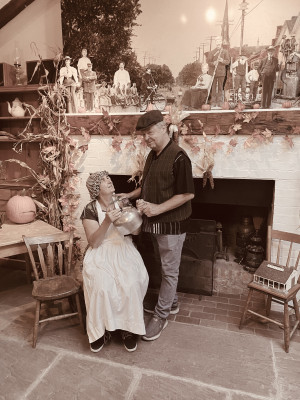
x,y
148,119
271,48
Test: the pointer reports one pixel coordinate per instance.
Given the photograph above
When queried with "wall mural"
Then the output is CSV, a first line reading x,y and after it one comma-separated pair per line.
x,y
179,55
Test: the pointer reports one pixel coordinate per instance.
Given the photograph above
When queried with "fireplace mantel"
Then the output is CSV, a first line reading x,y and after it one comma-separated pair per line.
x,y
279,121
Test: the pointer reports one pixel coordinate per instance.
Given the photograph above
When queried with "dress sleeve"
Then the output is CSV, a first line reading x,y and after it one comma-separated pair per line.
x,y
89,212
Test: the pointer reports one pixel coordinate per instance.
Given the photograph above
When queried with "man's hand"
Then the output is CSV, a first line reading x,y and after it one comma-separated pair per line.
x,y
149,209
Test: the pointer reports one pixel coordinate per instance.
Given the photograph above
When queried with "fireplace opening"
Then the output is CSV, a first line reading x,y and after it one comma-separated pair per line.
x,y
228,205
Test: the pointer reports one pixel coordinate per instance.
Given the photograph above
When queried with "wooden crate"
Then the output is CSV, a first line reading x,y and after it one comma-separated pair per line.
x,y
7,74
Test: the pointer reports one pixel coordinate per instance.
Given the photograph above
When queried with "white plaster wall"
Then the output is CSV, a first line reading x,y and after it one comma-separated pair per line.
x,y
40,22
274,161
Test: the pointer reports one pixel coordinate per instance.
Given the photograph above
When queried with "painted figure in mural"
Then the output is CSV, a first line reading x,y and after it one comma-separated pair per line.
x,y
121,77
69,78
166,193
194,97
294,44
267,70
252,78
104,99
240,70
115,279
83,62
134,94
148,83
89,79
217,60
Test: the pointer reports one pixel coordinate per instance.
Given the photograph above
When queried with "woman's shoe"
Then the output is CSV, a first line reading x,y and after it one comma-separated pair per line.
x,y
97,345
129,341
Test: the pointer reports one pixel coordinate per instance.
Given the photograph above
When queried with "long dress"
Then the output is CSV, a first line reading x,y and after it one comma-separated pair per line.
x,y
115,282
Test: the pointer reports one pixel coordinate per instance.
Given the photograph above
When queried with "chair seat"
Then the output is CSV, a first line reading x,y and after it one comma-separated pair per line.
x,y
56,287
285,296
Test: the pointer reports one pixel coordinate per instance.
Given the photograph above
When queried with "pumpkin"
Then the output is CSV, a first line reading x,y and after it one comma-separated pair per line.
x,y
97,110
287,104
81,110
20,209
225,105
256,105
205,107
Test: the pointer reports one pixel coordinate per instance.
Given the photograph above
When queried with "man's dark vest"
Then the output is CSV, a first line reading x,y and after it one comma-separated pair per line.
x,y
241,69
159,182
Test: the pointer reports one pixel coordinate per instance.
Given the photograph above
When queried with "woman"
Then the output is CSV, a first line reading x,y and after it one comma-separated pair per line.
x,y
69,78
115,279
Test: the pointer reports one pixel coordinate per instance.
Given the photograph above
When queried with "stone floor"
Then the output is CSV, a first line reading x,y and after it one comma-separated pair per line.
x,y
200,355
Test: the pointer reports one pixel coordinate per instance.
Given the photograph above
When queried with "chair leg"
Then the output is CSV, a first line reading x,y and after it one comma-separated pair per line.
x,y
286,327
246,308
296,308
268,305
36,322
79,311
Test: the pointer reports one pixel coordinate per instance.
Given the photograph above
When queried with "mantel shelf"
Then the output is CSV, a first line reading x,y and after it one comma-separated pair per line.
x,y
280,121
21,88
18,118
15,185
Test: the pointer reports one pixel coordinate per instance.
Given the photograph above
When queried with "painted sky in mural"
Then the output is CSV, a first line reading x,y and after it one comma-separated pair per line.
x,y
172,32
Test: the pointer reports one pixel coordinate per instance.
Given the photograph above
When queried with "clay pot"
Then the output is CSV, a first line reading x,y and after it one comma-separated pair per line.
x,y
256,106
225,105
205,107
81,110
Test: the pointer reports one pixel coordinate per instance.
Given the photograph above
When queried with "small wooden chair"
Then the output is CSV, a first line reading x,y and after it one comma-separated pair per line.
x,y
52,268
276,295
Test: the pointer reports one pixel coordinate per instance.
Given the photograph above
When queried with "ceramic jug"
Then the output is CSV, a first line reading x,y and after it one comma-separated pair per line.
x,y
16,109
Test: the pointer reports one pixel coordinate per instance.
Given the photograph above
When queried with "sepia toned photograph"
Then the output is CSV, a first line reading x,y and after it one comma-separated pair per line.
x,y
149,199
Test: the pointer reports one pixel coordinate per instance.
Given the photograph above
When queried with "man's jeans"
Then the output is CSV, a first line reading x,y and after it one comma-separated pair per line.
x,y
170,247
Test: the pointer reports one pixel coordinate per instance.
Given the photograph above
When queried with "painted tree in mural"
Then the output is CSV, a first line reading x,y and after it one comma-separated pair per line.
x,y
161,74
104,28
189,74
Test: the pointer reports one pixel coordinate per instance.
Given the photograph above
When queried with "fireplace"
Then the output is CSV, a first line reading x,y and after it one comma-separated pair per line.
x,y
226,204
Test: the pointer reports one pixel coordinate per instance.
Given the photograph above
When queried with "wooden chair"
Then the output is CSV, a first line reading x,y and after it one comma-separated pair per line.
x,y
276,295
52,267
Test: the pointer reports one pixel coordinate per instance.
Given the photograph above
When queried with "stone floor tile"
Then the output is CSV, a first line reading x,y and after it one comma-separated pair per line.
x,y
287,366
20,365
164,388
83,379
202,315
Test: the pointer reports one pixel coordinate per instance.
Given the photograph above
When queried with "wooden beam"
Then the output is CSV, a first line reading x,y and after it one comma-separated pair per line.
x,y
279,122
12,9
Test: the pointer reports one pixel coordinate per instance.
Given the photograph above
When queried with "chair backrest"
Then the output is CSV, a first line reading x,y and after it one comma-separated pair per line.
x,y
54,254
288,245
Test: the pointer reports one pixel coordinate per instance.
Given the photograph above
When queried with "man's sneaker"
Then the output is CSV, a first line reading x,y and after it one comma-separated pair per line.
x,y
129,341
174,309
155,327
99,343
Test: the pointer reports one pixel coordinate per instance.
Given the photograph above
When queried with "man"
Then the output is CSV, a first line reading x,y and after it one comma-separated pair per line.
x,y
166,193
83,62
267,70
121,76
253,79
148,83
194,97
217,60
240,70
89,78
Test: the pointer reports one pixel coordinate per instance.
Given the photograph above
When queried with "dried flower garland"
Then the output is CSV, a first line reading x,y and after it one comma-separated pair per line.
x,y
56,181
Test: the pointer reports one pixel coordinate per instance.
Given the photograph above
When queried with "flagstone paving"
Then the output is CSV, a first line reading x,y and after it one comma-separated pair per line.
x,y
200,355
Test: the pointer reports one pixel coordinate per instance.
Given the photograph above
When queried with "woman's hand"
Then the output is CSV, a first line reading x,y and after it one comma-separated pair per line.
x,y
113,215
